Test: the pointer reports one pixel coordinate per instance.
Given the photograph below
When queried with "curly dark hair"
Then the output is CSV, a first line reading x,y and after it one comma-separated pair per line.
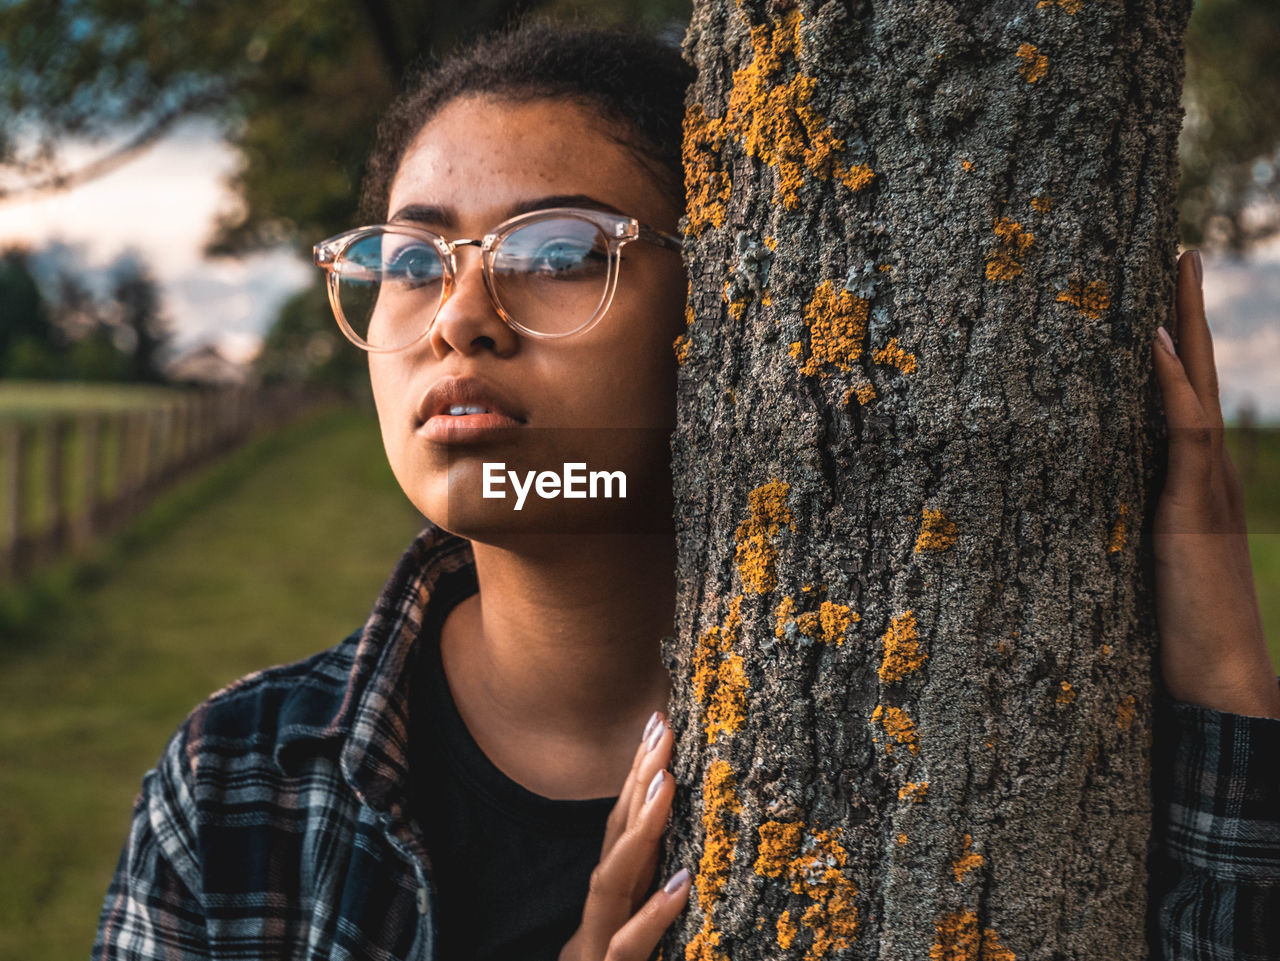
x,y
635,82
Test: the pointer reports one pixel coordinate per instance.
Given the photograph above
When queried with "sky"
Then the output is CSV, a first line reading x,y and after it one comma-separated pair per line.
x,y
164,202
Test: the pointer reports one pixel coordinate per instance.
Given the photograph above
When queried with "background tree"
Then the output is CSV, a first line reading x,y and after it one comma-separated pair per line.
x,y
136,309
300,84
929,245
28,341
305,346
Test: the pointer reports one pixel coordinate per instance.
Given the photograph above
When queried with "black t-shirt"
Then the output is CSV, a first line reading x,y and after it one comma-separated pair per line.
x,y
510,868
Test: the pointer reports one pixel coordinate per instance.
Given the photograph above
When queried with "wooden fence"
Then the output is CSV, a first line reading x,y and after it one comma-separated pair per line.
x,y
66,478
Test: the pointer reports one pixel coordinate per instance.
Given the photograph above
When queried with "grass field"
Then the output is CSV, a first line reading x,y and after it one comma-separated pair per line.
x,y
236,568
269,556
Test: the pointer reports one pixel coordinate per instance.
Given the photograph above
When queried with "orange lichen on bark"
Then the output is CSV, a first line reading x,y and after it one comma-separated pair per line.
x,y
865,393
1125,713
756,556
898,726
827,624
902,654
787,930
1034,63
837,324
681,347
706,185
892,354
1042,205
1070,6
1004,263
936,532
1091,299
720,805
773,118
902,839
966,164
737,306
1066,695
719,680
968,860
958,939
1118,536
812,863
913,791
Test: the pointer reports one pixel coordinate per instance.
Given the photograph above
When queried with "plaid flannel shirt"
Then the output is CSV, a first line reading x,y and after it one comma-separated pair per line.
x,y
275,825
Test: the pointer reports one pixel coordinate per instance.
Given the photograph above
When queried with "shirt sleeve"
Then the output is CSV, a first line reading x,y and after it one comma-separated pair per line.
x,y
1215,864
153,909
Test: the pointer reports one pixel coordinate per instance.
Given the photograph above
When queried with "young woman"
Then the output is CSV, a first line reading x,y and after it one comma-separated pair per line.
x,y
462,777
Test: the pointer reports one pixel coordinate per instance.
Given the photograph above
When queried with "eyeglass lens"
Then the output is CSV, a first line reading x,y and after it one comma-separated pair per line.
x,y
549,276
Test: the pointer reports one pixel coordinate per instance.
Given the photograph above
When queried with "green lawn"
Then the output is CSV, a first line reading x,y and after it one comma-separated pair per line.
x,y
284,560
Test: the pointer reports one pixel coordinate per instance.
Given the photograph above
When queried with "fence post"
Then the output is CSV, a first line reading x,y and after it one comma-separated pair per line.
x,y
54,535
90,467
15,484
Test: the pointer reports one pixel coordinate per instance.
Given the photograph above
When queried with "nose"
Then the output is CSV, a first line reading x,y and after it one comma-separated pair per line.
x,y
468,320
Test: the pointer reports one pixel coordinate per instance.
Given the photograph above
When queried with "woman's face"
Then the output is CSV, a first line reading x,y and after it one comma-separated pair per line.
x,y
604,397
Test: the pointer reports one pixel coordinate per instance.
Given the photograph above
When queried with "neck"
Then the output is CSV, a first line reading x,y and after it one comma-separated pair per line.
x,y
555,665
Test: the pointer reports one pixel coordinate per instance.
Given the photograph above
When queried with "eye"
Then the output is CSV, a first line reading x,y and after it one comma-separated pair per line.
x,y
562,256
412,263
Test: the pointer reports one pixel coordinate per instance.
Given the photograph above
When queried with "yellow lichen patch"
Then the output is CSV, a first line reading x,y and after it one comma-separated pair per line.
x,y
720,804
966,164
968,860
837,324
1004,262
1091,299
719,681
1125,713
902,654
865,393
813,866
787,930
737,305
827,624
902,839
936,532
706,185
894,355
898,726
958,939
1117,539
681,347
1070,6
774,121
756,556
1066,695
913,791
1034,63
1042,204
1105,650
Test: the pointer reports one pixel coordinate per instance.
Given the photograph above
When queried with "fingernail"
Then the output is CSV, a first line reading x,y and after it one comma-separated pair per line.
x,y
653,786
1198,264
677,879
1165,341
655,736
653,719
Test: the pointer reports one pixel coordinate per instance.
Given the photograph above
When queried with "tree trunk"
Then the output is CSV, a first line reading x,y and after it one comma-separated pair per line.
x,y
928,246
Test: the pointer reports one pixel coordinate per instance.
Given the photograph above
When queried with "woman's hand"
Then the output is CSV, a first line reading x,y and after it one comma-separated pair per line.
x,y
1212,650
615,925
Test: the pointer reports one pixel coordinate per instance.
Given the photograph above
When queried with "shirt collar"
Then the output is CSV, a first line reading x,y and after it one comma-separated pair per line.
x,y
370,720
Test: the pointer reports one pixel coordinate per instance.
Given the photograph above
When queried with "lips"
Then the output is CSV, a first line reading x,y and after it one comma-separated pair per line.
x,y
466,392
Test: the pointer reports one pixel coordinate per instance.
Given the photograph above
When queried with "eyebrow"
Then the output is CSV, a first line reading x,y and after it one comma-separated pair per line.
x,y
445,217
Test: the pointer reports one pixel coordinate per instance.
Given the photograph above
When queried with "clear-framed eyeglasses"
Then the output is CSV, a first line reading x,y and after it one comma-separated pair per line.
x,y
549,273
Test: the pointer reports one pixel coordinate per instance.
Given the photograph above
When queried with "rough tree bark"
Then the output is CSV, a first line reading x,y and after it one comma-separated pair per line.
x,y
929,246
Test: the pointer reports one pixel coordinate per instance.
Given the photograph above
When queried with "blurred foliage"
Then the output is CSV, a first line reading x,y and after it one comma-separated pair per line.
x,y
299,84
305,345
53,327
1230,191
